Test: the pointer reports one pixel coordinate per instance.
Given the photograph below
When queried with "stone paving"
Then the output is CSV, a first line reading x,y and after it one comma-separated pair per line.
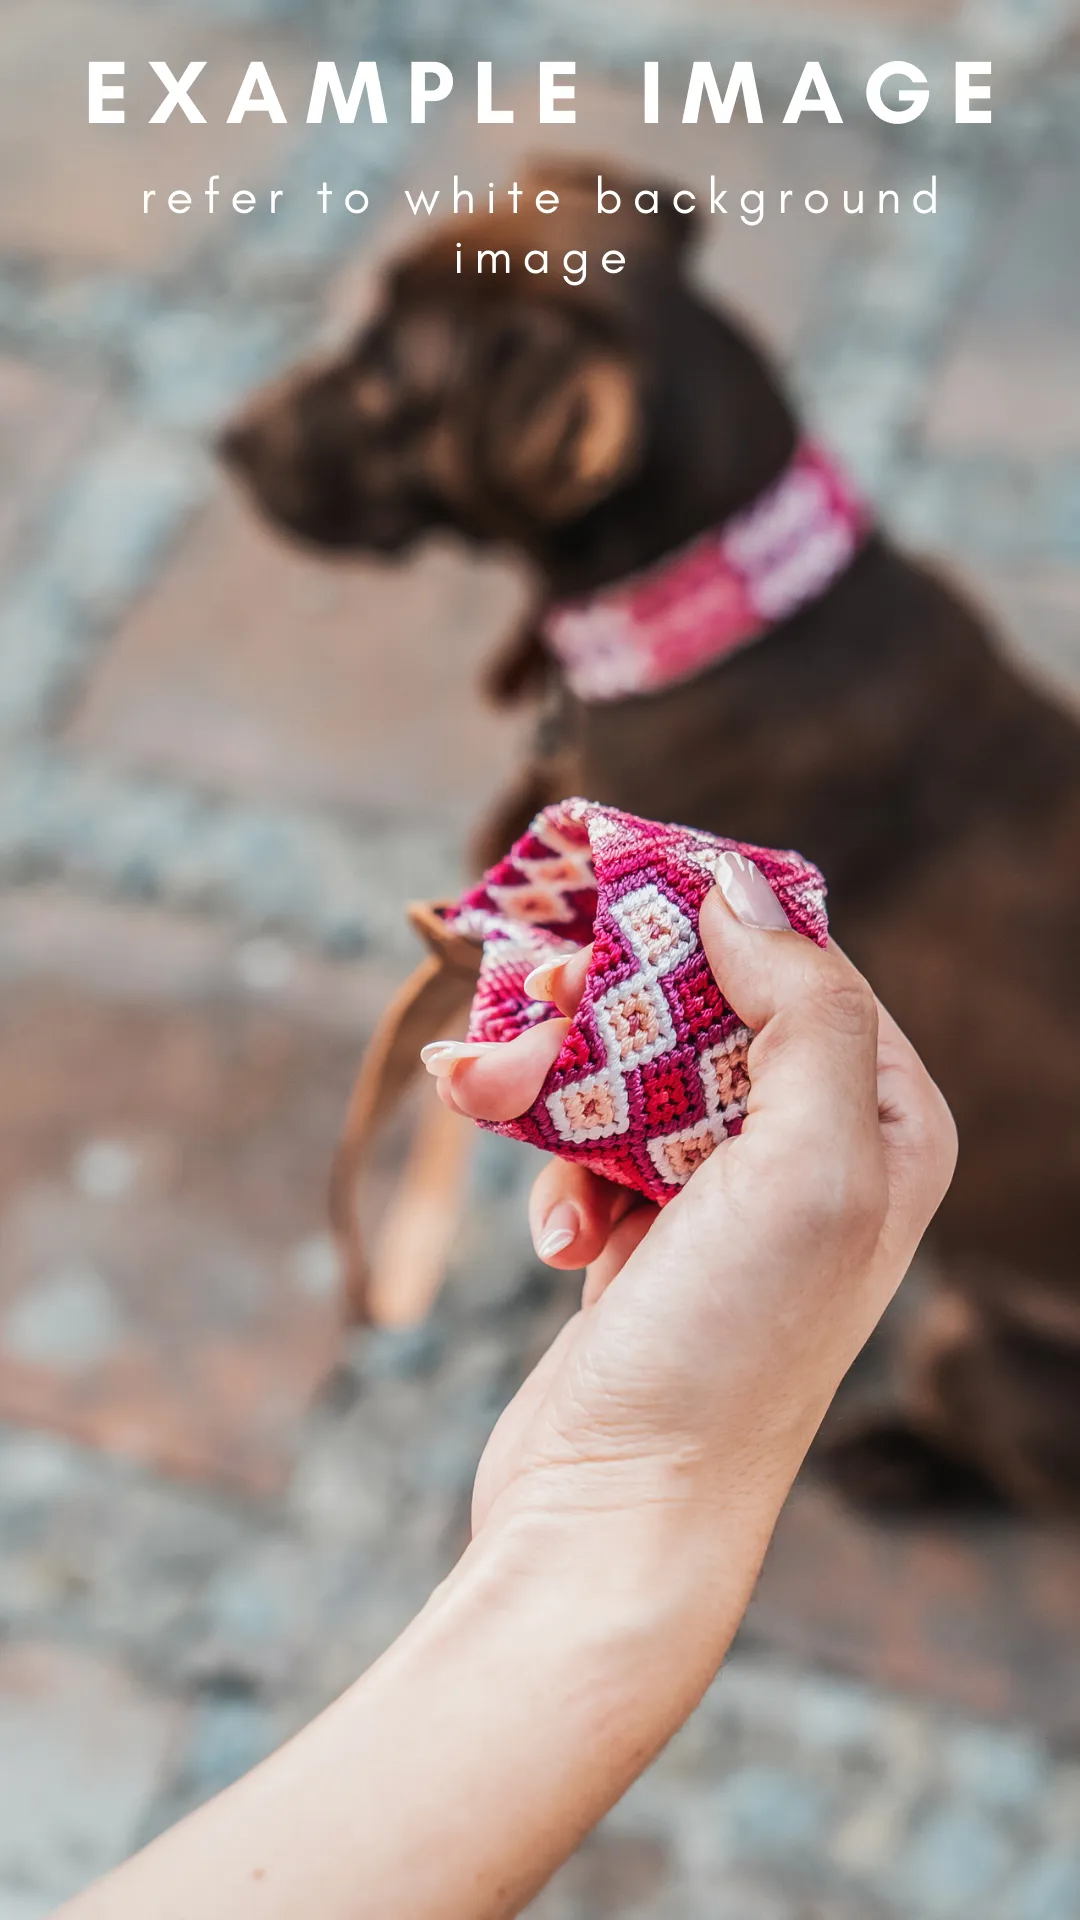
x,y
223,768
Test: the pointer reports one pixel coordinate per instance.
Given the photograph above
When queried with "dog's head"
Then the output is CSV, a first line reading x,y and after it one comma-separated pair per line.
x,y
504,404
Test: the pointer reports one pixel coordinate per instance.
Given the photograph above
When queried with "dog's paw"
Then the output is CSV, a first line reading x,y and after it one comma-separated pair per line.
x,y
886,1466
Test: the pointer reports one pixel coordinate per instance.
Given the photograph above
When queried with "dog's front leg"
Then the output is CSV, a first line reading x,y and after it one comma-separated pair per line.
x,y
520,669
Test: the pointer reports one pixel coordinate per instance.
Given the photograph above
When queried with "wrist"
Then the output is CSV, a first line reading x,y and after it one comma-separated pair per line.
x,y
663,1575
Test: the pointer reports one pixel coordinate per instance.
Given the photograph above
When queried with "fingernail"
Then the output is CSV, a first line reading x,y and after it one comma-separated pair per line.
x,y
749,894
560,1230
441,1056
540,983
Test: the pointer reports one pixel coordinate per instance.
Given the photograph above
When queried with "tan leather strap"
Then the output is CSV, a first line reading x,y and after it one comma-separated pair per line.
x,y
411,1250
435,997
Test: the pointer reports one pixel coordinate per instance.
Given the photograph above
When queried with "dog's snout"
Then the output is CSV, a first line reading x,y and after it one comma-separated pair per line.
x,y
236,443
301,453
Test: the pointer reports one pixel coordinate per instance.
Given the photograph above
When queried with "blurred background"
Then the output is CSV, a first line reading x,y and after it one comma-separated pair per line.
x,y
225,765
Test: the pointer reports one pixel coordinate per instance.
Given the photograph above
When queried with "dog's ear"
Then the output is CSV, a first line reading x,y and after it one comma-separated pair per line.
x,y
560,426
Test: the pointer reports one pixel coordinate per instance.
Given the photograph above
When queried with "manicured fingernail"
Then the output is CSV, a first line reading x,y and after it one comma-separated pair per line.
x,y
540,983
442,1056
560,1230
749,894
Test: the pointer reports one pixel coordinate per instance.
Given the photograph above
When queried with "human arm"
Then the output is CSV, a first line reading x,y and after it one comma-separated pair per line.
x,y
626,1498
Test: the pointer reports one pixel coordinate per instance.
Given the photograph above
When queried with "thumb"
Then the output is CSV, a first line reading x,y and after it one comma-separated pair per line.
x,y
813,1016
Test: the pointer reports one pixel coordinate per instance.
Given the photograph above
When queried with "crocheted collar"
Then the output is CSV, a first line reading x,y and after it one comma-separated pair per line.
x,y
725,589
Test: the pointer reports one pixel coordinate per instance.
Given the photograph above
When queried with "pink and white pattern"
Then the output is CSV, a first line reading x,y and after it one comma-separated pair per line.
x,y
725,589
653,1072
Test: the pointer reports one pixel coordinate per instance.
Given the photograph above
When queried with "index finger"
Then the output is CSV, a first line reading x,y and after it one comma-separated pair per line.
x,y
500,1080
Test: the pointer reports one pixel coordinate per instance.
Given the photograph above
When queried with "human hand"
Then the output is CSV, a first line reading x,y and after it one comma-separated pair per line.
x,y
713,1333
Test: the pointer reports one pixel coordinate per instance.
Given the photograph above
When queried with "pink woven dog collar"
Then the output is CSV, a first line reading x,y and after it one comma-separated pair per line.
x,y
725,589
652,1074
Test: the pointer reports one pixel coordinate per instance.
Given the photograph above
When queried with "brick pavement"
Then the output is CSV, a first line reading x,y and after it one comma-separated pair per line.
x,y
217,785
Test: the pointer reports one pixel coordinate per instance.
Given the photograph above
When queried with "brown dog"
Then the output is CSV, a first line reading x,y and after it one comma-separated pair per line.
x,y
600,427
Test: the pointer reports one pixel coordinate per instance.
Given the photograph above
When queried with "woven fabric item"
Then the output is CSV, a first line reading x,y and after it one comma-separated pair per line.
x,y
652,1074
722,591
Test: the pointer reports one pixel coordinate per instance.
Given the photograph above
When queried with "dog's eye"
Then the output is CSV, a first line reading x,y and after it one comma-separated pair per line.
x,y
373,397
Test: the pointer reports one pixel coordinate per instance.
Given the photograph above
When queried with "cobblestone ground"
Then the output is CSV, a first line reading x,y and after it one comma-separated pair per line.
x,y
224,766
